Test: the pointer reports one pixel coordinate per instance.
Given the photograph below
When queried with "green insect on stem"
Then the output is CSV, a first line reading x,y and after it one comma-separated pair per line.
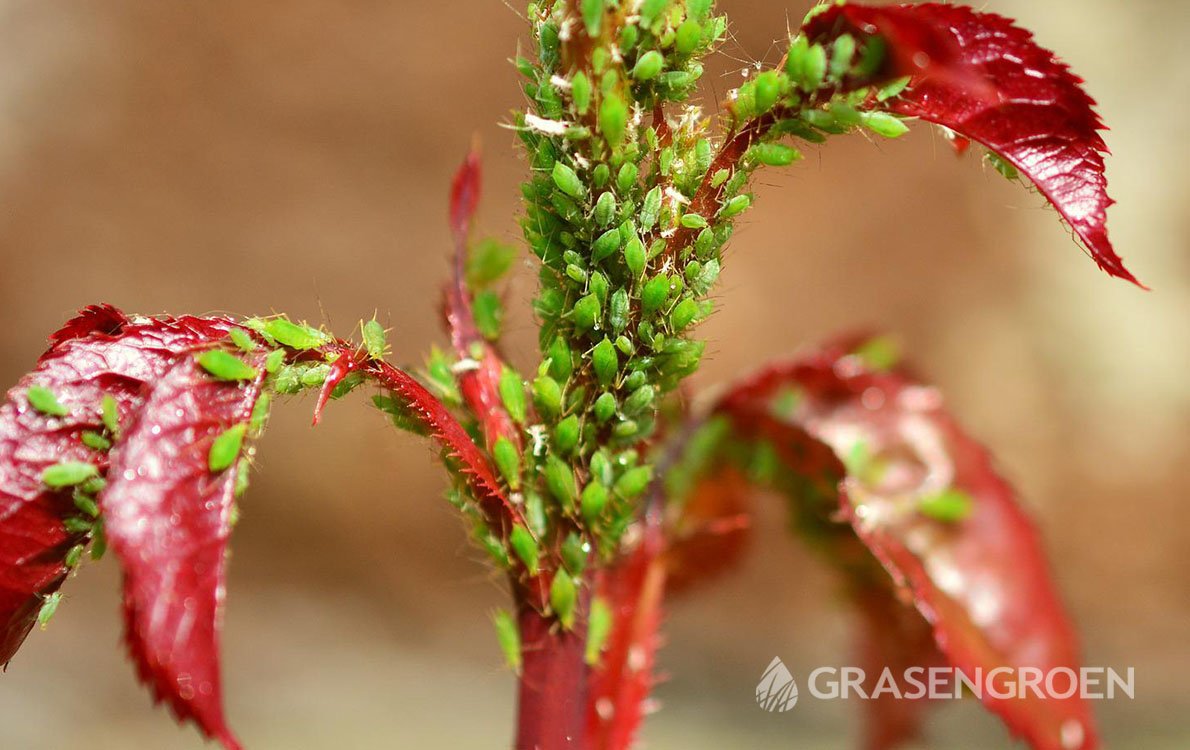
x,y
46,401
508,635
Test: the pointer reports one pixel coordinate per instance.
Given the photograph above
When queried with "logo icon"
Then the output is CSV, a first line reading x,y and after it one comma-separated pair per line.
x,y
777,690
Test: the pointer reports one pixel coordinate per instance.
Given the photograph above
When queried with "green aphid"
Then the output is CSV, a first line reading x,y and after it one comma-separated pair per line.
x,y
73,556
806,64
773,154
707,277
98,540
68,474
629,36
586,312
605,209
274,360
295,336
225,449
46,401
605,362
639,400
651,208
767,90
593,501
599,59
260,413
605,407
879,354
633,482
535,513
441,378
561,359
601,467
1002,165
224,365
689,36
665,160
720,177
648,65
242,340
547,396
842,54
626,177
92,486
109,413
85,503
559,480
574,553
626,429
580,92
613,118
683,314
693,221
78,525
625,345
508,461
735,206
950,505
601,175
599,627
95,441
48,608
824,121
609,81
288,380
592,12
489,314
564,598
261,328
617,315
375,340
508,635
566,434
606,244
890,90
243,479
883,124
597,285
568,181
654,294
314,376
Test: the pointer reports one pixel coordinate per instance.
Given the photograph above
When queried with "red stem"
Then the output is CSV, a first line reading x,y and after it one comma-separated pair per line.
x,y
553,691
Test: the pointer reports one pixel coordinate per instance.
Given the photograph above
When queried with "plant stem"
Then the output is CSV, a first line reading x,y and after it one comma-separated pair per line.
x,y
553,688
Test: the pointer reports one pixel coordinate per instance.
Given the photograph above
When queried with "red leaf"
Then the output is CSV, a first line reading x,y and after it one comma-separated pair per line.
x,y
985,78
479,383
168,518
981,580
100,352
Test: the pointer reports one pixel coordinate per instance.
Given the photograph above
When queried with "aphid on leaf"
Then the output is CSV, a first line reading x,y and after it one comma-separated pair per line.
x,y
1003,166
605,361
683,314
693,221
224,365
605,407
86,504
883,124
639,400
648,65
586,312
564,598
626,177
559,480
508,461
606,244
568,181
109,413
375,340
566,434
599,627
774,154
512,394
842,54
295,336
525,547
593,501
633,482
654,293
46,401
806,64
613,118
73,556
242,340
508,635
574,553
225,448
95,441
547,396
68,474
48,608
580,92
950,505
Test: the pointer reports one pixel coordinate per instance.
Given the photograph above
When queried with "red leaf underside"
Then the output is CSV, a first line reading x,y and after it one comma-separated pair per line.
x,y
985,78
981,580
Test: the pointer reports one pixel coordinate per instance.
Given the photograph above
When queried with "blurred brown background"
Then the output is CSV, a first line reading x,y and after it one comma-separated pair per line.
x,y
251,157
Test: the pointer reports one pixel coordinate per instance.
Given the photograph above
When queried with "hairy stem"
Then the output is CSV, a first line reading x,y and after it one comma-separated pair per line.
x,y
553,687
